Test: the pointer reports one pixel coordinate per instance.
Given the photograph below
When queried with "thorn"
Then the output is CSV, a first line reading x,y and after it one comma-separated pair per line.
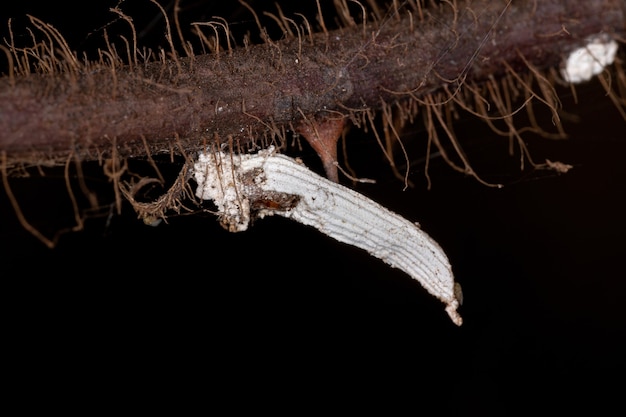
x,y
323,135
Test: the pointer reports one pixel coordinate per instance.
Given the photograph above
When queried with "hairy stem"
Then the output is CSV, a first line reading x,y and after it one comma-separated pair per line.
x,y
260,92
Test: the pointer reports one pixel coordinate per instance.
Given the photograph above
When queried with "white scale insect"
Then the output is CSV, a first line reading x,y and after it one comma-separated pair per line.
x,y
584,63
236,183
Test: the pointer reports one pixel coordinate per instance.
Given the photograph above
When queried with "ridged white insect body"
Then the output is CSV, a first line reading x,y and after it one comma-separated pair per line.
x,y
238,182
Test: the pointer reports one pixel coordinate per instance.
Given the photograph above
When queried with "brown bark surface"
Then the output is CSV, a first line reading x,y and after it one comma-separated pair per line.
x,y
257,93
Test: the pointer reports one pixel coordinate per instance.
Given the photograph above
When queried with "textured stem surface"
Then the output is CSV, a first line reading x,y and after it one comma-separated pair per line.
x,y
261,91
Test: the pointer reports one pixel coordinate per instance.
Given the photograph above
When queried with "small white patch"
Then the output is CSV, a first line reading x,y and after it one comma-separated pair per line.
x,y
586,62
219,181
238,182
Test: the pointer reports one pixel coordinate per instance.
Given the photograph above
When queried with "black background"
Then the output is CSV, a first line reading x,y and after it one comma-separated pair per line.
x,y
283,318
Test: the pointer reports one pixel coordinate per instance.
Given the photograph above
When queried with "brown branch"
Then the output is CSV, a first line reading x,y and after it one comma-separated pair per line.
x,y
261,91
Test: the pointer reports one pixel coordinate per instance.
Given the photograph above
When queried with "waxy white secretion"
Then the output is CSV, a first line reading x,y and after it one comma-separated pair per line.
x,y
267,183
